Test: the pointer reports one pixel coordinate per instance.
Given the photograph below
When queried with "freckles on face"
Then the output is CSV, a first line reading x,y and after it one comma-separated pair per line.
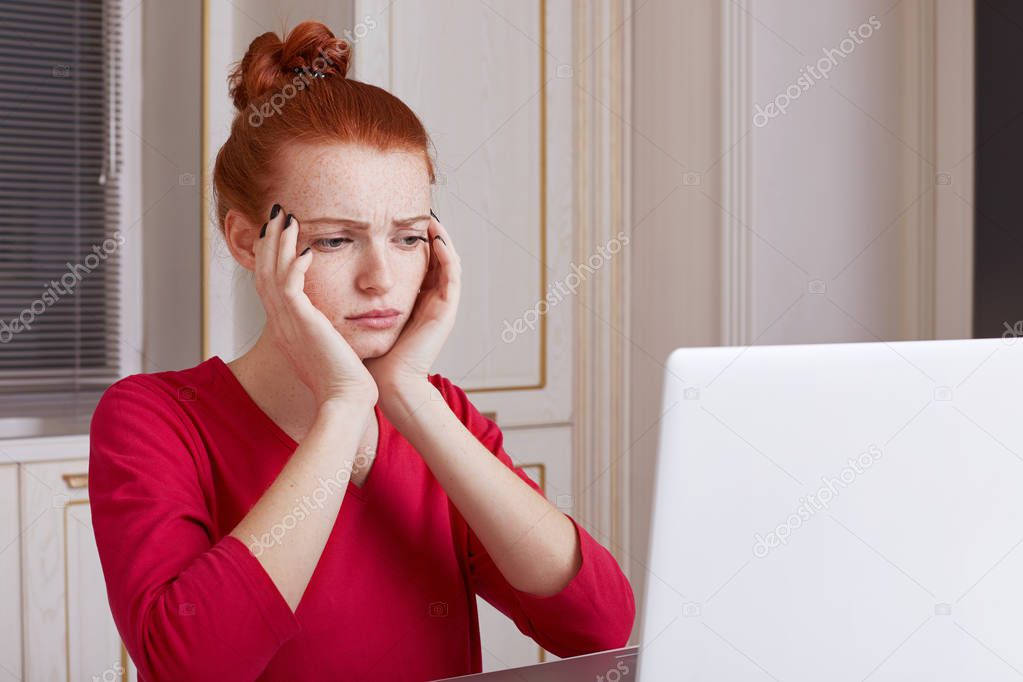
x,y
359,268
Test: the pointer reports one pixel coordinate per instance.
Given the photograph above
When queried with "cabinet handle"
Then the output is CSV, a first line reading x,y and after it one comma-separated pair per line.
x,y
76,481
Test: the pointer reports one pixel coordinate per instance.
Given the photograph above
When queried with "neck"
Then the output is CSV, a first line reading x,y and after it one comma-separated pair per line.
x,y
270,379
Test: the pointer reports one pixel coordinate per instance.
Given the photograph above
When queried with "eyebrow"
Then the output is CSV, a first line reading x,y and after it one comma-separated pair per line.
x,y
361,225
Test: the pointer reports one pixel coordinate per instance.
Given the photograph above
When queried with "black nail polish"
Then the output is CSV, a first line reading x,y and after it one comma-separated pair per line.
x,y
262,232
287,221
434,215
274,211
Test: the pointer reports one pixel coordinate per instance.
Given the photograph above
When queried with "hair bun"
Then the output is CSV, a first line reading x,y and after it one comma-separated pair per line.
x,y
269,62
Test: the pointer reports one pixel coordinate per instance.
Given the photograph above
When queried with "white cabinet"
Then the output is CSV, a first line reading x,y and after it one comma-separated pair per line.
x,y
66,630
10,576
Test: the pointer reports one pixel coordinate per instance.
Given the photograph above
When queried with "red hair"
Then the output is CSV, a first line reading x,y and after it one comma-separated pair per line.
x,y
277,104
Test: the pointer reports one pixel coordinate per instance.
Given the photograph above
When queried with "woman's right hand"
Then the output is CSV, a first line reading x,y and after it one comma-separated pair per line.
x,y
321,356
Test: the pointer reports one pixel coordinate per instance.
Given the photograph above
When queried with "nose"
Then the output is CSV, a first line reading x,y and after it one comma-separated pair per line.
x,y
374,270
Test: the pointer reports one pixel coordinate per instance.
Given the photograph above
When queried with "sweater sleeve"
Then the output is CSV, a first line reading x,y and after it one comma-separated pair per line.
x,y
186,607
595,611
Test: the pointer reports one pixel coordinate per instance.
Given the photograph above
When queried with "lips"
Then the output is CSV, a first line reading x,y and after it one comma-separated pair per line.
x,y
380,312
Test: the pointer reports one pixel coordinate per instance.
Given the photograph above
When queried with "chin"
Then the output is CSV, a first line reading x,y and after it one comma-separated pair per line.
x,y
369,347
369,354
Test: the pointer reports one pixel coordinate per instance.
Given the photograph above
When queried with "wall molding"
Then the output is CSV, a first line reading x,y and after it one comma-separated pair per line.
x,y
601,457
926,145
738,320
954,157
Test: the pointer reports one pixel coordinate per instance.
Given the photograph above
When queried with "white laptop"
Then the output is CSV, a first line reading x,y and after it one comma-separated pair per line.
x,y
838,512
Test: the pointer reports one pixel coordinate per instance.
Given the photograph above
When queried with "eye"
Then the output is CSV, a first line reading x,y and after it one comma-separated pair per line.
x,y
331,241
411,240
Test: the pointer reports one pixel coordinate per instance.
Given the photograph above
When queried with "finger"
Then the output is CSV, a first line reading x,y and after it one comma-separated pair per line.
x,y
266,254
294,284
430,281
432,265
442,231
445,253
295,280
303,314
286,247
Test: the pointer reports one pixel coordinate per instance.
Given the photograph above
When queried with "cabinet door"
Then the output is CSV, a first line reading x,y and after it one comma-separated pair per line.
x,y
10,575
69,633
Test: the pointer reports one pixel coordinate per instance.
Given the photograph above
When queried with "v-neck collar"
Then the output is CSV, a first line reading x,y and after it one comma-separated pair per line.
x,y
282,436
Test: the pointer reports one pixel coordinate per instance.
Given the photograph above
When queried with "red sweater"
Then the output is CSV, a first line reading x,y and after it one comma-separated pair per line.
x,y
178,458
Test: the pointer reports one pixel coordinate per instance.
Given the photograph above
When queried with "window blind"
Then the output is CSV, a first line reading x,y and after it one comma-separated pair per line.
x,y
60,160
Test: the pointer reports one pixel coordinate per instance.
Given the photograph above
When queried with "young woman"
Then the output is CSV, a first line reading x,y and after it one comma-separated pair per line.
x,y
323,507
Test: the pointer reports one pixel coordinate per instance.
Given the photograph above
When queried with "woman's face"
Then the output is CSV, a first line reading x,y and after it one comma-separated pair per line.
x,y
361,211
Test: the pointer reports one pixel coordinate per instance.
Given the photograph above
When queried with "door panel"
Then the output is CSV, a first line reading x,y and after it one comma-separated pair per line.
x,y
69,631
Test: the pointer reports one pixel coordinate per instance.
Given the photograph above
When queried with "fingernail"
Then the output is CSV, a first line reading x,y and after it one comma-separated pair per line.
x,y
274,211
434,215
262,232
287,221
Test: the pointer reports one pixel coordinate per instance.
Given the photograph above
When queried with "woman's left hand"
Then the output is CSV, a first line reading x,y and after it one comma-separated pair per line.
x,y
409,360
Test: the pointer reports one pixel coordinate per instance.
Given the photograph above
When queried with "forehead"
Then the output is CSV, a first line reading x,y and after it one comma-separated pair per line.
x,y
352,181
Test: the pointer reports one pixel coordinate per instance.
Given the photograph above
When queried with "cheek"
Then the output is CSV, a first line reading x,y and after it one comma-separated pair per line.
x,y
328,272
325,284
329,302
407,281
410,268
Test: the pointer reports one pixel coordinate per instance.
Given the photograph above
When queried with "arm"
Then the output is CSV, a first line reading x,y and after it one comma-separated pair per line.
x,y
185,606
291,559
526,557
530,540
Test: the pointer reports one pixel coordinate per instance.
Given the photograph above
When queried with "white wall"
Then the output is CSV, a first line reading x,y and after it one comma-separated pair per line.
x,y
170,219
839,198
